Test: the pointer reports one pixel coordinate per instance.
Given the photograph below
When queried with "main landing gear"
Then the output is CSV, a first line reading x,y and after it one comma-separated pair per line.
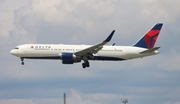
x,y
85,64
22,61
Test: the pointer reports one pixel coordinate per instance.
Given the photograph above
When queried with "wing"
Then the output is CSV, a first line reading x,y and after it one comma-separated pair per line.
x,y
95,48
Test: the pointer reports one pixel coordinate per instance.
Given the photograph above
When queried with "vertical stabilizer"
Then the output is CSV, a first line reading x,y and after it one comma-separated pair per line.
x,y
149,39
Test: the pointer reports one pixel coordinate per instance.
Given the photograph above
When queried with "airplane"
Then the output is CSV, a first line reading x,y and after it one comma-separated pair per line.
x,y
70,54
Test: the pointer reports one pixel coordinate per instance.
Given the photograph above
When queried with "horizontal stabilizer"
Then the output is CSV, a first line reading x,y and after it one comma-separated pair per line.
x,y
150,50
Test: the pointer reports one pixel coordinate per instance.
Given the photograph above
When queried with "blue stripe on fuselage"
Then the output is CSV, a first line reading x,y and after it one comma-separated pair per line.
x,y
107,58
50,57
95,58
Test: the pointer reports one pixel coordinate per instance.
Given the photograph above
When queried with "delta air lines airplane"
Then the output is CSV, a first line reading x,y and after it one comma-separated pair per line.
x,y
70,54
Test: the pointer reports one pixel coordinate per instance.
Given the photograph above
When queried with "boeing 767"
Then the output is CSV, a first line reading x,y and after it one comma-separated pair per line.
x,y
70,54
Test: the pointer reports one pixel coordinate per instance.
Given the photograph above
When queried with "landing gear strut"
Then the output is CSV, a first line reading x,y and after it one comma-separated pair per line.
x,y
85,64
22,61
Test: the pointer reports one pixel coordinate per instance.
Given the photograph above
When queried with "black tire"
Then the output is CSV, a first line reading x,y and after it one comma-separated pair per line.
x,y
22,63
84,65
87,64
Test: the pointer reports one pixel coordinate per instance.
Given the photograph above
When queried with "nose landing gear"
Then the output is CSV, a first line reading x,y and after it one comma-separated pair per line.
x,y
22,61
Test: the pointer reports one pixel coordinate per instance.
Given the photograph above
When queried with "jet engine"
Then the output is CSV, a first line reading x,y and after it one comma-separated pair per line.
x,y
69,58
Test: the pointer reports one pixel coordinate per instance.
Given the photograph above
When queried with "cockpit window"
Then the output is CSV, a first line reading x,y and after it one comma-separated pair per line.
x,y
16,48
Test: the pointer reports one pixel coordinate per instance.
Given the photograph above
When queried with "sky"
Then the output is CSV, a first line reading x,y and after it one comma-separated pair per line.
x,y
153,79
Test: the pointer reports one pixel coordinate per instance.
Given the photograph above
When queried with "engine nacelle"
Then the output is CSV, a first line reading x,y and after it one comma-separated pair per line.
x,y
69,58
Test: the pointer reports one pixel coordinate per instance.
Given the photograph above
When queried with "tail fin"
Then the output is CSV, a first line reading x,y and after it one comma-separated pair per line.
x,y
149,39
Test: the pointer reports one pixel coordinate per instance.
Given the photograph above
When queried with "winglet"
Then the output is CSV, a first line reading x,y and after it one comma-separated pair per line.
x,y
109,37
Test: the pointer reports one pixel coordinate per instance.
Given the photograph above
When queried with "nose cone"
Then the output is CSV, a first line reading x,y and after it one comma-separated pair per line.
x,y
13,52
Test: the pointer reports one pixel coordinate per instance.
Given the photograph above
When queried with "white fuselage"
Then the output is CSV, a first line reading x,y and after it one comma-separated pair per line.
x,y
53,51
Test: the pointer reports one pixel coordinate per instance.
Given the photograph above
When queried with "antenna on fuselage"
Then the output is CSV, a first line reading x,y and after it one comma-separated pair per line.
x,y
113,44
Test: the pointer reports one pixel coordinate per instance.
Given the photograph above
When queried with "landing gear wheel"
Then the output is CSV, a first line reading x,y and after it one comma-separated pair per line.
x,y
22,63
22,59
85,64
